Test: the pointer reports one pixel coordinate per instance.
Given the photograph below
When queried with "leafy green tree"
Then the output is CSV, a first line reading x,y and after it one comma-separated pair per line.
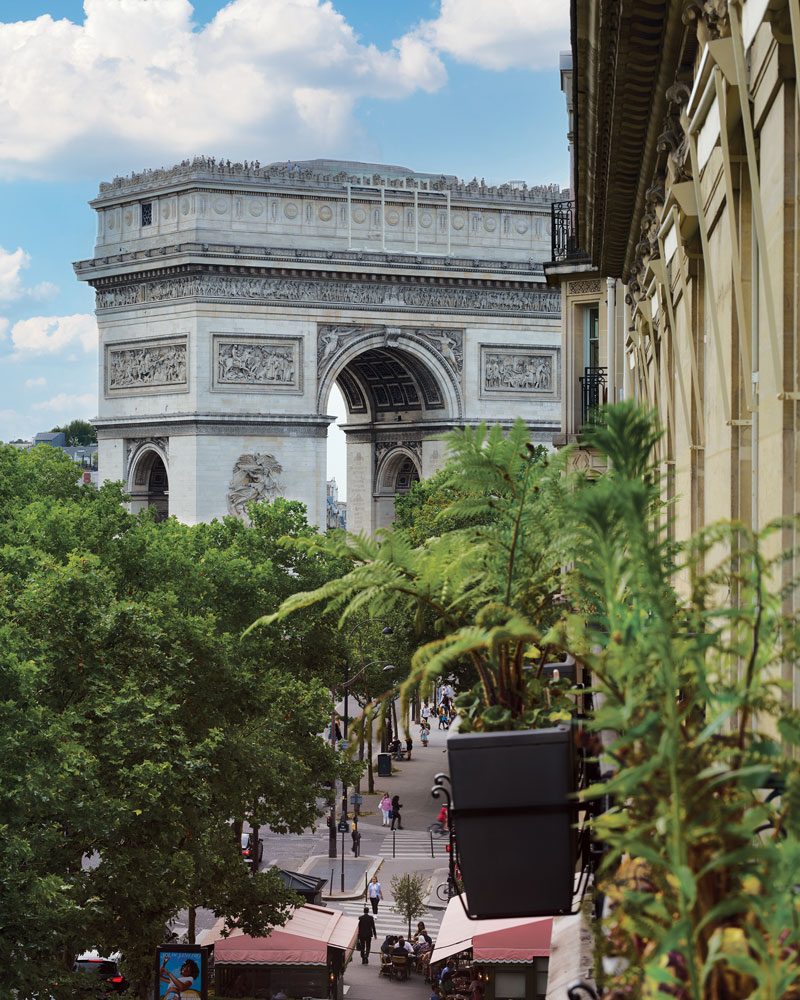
x,y
78,432
409,896
135,722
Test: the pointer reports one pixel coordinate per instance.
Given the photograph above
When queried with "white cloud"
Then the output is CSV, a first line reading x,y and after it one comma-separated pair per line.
x,y
4,325
500,34
81,405
53,334
12,263
31,383
265,78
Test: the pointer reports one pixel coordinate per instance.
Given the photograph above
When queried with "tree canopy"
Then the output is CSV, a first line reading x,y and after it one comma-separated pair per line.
x,y
78,432
136,722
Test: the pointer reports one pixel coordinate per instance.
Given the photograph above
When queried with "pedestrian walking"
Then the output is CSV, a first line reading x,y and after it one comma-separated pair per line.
x,y
444,722
425,711
385,806
375,893
409,747
356,841
424,732
396,807
366,932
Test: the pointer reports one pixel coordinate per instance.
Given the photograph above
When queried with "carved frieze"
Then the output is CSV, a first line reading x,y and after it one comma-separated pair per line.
x,y
258,364
519,371
254,478
372,295
152,366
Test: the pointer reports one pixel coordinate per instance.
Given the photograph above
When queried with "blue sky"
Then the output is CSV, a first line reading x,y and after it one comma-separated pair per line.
x,y
89,90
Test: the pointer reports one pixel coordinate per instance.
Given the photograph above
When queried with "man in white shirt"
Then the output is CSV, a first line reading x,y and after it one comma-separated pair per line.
x,y
425,711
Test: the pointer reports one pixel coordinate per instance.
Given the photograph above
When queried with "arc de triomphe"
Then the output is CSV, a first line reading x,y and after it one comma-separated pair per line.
x,y
232,297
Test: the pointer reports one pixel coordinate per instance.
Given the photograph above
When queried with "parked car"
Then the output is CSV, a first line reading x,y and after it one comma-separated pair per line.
x,y
106,970
252,850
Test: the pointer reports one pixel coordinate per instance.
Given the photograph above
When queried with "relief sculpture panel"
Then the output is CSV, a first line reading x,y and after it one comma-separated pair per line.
x,y
354,294
258,364
155,366
510,371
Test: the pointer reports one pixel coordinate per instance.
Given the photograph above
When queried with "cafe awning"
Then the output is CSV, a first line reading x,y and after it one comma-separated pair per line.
x,y
303,940
519,939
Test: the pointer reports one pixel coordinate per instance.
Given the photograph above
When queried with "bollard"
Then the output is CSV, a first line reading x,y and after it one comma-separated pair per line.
x,y
431,833
366,885
394,843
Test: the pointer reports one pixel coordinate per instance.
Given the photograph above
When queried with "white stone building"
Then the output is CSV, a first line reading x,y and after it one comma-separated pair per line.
x,y
232,297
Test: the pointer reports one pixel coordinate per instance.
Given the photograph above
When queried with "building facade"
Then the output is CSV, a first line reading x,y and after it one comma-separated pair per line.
x,y
232,297
684,126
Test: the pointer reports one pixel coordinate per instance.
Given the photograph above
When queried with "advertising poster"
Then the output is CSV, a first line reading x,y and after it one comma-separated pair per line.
x,y
181,972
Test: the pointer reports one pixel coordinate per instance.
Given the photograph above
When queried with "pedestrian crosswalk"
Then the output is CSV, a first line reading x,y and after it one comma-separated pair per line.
x,y
387,920
413,845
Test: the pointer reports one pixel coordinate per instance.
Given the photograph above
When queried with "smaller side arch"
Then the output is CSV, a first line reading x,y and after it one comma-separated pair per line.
x,y
148,480
397,471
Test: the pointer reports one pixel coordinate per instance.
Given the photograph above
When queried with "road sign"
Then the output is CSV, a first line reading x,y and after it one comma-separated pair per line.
x,y
343,826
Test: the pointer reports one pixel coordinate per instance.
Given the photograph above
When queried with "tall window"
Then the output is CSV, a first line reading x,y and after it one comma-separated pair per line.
x,y
591,336
147,213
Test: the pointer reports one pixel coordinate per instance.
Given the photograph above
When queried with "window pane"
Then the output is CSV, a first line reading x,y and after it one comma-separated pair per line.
x,y
509,985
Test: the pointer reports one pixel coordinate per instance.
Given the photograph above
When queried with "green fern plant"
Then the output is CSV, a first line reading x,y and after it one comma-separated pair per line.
x,y
701,868
491,588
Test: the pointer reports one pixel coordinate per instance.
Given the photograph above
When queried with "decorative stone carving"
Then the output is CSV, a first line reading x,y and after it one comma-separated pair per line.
x,y
333,338
586,286
713,20
449,343
257,362
255,477
435,298
518,372
148,366
513,371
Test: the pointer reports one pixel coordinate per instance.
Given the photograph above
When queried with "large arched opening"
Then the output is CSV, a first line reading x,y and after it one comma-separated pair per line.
x,y
400,392
148,482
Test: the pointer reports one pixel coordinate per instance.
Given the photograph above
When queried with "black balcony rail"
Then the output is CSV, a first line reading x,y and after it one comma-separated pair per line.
x,y
564,231
594,393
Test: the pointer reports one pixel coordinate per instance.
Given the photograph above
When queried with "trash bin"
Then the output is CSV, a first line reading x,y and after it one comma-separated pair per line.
x,y
384,765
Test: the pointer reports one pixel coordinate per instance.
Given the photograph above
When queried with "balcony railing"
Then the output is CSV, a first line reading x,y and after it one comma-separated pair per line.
x,y
564,231
594,393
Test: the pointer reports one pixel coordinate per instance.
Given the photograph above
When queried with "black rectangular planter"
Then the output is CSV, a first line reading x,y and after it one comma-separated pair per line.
x,y
514,818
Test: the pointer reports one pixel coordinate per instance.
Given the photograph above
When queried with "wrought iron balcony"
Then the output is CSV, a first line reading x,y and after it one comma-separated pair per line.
x,y
594,393
564,232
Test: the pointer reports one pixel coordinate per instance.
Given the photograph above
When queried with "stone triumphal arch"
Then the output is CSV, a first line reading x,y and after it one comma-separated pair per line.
x,y
231,298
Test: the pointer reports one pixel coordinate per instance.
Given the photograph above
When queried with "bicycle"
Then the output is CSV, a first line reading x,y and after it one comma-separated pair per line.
x,y
438,830
446,890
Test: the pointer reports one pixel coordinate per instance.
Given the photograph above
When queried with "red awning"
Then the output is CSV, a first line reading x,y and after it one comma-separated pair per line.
x,y
518,939
303,940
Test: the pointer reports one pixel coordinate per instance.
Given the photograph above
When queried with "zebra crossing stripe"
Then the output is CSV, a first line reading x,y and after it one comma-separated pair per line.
x,y
387,921
412,845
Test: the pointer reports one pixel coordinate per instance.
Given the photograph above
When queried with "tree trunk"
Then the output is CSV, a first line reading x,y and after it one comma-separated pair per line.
x,y
370,774
192,928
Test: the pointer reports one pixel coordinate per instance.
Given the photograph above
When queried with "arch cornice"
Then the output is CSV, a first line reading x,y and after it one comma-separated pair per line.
x,y
362,339
388,462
